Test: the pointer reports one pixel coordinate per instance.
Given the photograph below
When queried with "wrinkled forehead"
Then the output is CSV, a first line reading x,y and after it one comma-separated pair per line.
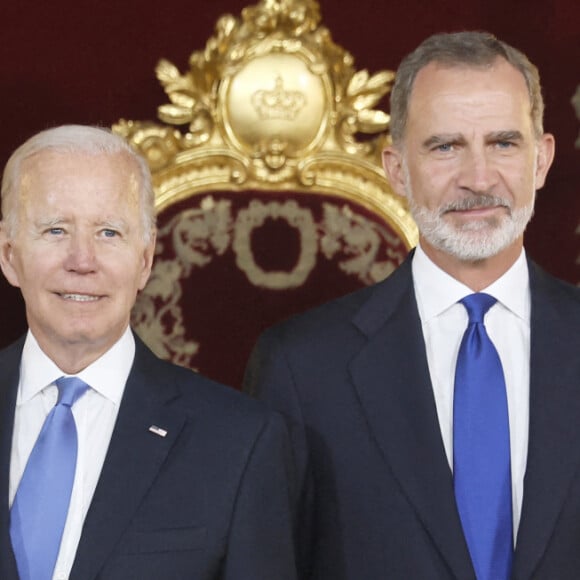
x,y
469,93
441,77
438,73
62,160
53,167
88,177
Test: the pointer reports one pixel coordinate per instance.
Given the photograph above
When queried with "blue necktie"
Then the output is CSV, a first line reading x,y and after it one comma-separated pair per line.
x,y
481,444
40,507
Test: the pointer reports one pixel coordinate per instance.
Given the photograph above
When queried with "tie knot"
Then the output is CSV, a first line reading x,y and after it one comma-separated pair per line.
x,y
69,390
477,305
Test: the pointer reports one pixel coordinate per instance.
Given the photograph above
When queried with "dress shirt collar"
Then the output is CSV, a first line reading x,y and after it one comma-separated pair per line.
x,y
437,291
107,375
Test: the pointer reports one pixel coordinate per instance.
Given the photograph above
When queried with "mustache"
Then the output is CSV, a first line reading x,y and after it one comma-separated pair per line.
x,y
479,201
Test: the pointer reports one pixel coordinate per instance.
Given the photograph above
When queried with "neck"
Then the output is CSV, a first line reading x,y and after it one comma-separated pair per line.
x,y
72,357
476,274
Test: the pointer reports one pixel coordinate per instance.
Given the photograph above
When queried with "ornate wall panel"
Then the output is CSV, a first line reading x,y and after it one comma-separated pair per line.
x,y
92,63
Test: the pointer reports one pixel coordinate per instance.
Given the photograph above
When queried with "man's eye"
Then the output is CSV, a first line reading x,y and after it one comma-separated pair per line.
x,y
505,144
110,233
444,147
55,231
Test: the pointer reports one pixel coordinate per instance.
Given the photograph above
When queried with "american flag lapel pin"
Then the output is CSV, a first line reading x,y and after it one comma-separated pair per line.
x,y
158,430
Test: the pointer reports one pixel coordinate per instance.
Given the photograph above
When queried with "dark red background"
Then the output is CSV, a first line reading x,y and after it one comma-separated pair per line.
x,y
89,61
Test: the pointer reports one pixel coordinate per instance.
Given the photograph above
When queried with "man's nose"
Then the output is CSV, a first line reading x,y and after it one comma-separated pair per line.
x,y
478,172
81,256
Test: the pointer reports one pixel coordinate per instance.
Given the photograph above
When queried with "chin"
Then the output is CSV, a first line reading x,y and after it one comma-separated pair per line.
x,y
474,240
475,245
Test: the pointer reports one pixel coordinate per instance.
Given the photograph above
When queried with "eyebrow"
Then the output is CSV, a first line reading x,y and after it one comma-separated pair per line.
x,y
505,136
50,222
119,224
60,220
443,138
458,138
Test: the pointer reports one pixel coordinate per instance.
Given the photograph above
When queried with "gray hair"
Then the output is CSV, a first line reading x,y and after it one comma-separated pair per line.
x,y
471,49
74,139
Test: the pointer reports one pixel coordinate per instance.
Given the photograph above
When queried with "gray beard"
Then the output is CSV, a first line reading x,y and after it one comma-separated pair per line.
x,y
475,240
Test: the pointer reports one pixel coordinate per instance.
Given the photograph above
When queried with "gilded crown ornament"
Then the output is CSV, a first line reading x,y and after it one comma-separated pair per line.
x,y
278,103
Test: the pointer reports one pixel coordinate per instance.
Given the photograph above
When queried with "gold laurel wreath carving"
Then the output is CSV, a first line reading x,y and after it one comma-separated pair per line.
x,y
255,216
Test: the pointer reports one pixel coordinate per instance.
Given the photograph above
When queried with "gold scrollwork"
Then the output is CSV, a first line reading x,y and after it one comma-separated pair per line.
x,y
195,236
362,241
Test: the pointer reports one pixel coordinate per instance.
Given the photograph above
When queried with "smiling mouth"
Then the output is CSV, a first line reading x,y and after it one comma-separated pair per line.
x,y
475,211
79,297
479,203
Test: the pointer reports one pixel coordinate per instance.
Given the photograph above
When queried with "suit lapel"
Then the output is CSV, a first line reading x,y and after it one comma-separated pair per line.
x,y
392,380
9,377
553,451
133,460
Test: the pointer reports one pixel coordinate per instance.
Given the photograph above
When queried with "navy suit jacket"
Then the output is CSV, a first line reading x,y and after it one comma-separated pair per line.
x,y
377,492
210,500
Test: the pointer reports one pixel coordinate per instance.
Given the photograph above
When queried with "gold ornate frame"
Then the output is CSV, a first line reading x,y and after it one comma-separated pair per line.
x,y
272,104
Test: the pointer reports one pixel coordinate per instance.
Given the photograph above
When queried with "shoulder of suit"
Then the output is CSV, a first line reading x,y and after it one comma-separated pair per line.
x,y
13,351
543,282
329,318
200,392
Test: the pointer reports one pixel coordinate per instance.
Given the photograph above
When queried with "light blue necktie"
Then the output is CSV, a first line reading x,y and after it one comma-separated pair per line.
x,y
481,443
40,507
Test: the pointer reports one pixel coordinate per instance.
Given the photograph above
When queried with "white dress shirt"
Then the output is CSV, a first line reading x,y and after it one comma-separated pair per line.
x,y
95,414
508,324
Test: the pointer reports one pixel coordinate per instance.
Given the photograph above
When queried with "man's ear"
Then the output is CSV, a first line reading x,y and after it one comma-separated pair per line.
x,y
546,148
393,164
6,257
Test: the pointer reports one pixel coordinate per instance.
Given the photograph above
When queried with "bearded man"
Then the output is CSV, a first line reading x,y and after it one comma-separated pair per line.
x,y
435,416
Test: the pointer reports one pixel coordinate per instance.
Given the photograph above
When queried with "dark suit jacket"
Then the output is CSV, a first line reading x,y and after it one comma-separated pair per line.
x,y
377,492
210,500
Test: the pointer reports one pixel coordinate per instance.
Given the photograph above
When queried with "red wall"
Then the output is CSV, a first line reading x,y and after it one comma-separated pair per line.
x,y
90,61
